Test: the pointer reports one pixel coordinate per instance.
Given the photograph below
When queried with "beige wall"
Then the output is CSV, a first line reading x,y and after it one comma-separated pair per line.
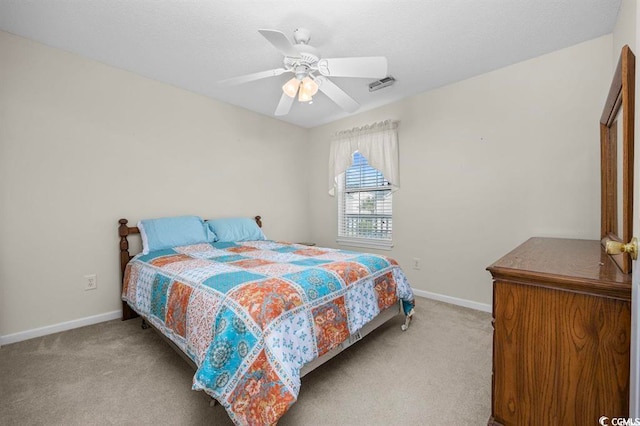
x,y
485,164
83,144
624,31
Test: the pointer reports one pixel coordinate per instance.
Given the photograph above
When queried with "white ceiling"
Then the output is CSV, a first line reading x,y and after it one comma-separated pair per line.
x,y
194,44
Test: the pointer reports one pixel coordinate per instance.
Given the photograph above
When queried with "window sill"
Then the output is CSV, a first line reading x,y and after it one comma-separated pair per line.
x,y
367,243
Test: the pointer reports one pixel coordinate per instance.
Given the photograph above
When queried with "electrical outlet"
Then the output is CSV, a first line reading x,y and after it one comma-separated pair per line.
x,y
416,263
91,282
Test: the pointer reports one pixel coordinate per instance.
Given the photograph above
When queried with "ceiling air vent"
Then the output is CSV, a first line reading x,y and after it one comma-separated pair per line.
x,y
382,83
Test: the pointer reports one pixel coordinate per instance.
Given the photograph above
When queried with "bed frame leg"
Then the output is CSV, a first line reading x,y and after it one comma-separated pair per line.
x,y
144,324
127,312
407,320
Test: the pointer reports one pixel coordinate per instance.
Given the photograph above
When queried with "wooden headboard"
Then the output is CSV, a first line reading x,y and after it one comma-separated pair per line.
x,y
124,231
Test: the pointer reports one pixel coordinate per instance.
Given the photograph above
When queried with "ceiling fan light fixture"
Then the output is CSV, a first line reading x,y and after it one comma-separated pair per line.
x,y
291,87
304,96
309,86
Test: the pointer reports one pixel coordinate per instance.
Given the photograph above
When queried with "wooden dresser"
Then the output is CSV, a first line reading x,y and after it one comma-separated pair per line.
x,y
562,321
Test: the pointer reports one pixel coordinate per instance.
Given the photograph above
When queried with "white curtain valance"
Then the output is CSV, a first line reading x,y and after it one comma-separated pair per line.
x,y
377,142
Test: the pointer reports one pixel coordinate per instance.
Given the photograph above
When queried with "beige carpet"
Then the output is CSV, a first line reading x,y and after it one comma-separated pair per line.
x,y
437,373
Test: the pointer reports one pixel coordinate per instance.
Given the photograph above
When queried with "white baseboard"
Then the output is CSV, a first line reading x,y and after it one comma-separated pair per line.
x,y
56,328
454,300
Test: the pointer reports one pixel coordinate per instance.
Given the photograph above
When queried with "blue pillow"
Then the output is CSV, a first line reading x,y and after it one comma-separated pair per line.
x,y
236,229
168,232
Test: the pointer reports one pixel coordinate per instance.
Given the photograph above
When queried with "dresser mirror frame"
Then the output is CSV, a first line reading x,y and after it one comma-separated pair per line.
x,y
620,105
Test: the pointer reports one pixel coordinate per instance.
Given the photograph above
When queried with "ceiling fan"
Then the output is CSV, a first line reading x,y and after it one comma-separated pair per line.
x,y
310,71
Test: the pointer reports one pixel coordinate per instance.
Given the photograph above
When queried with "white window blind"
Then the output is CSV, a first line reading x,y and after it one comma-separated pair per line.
x,y
364,206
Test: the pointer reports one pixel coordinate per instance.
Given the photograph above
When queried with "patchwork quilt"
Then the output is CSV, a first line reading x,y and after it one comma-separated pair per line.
x,y
251,314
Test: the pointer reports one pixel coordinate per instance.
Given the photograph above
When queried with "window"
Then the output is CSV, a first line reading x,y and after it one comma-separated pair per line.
x,y
364,206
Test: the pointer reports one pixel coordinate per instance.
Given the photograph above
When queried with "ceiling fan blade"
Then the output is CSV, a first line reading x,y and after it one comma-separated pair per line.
x,y
284,106
336,94
280,42
251,77
366,67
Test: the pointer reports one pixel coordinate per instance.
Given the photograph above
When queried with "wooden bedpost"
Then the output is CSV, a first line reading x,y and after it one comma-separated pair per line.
x,y
123,231
258,221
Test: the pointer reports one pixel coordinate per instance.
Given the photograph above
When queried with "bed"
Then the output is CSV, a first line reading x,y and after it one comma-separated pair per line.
x,y
253,316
